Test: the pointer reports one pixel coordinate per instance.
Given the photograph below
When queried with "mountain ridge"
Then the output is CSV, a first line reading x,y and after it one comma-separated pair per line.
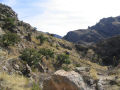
x,y
105,28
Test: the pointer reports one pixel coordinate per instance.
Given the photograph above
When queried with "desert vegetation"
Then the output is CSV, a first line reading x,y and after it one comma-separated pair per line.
x,y
42,38
31,56
62,59
9,39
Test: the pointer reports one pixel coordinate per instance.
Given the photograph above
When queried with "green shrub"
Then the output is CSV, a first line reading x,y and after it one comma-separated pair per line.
x,y
9,39
36,87
66,68
31,56
63,59
42,38
9,23
77,65
46,52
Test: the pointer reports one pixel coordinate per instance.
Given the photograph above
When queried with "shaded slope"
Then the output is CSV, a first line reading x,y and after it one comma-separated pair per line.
x,y
109,51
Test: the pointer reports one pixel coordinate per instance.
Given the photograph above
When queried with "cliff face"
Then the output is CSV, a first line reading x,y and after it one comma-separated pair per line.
x,y
105,28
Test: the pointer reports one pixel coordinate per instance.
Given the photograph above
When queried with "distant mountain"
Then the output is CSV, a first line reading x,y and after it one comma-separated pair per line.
x,y
105,28
57,36
54,35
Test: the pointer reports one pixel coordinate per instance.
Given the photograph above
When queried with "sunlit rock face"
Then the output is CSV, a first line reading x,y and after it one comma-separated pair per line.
x,y
63,80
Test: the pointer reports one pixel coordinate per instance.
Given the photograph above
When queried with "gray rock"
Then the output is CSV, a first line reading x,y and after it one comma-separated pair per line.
x,y
62,80
40,67
82,69
28,68
1,32
5,68
99,85
16,67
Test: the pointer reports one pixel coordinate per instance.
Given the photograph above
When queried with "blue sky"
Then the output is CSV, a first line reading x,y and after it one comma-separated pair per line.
x,y
61,16
25,8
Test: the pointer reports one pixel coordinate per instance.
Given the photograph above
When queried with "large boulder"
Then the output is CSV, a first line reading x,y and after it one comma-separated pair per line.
x,y
62,80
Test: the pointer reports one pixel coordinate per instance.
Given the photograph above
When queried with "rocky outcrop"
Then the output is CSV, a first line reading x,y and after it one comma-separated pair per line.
x,y
63,80
6,11
80,80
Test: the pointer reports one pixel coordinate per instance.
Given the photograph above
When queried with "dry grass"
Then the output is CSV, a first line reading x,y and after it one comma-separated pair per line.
x,y
35,40
93,73
2,53
93,65
13,82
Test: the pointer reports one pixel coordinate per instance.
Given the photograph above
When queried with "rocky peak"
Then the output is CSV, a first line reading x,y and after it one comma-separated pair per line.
x,y
6,11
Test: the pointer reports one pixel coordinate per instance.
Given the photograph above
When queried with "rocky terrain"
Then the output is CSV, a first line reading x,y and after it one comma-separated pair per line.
x,y
105,28
33,60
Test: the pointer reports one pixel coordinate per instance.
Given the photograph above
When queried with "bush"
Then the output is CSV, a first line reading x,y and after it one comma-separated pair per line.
x,y
31,56
9,39
63,59
9,23
46,52
66,68
36,87
41,38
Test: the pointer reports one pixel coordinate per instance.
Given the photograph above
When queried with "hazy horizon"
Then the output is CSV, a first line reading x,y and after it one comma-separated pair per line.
x,y
62,16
